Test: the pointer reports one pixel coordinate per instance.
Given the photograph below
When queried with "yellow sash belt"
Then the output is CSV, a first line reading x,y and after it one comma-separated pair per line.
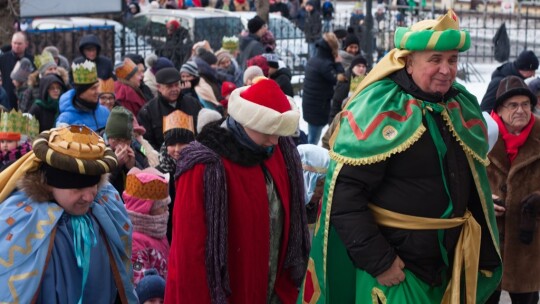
x,y
467,251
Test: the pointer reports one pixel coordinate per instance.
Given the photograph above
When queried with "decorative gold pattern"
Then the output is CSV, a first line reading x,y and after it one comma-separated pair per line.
x,y
389,132
19,277
28,242
329,201
380,157
378,296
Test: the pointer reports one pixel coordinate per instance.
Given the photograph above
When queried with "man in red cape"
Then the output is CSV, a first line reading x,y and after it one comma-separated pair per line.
x,y
239,225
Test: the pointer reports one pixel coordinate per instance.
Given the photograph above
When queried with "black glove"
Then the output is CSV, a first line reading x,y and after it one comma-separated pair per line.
x,y
527,224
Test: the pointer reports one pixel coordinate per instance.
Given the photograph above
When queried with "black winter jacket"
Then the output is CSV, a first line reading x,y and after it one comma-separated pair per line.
x,y
104,65
312,26
320,78
283,78
7,63
506,69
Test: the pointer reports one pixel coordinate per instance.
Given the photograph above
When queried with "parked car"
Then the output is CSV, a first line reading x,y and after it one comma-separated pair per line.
x,y
201,25
132,42
290,41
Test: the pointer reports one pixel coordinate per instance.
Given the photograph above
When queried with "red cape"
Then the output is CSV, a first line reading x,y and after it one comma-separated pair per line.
x,y
248,235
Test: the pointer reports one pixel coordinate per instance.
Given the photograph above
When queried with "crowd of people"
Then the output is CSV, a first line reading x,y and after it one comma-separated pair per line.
x,y
186,178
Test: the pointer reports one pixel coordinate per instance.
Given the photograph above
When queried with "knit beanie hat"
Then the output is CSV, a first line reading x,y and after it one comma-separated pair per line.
x,y
190,67
350,39
226,88
527,61
252,72
260,61
359,59
22,70
146,190
205,117
272,60
178,128
151,286
263,107
53,50
512,86
126,69
255,24
119,124
155,64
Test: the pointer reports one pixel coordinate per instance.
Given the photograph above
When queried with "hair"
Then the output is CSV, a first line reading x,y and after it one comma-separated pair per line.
x,y
21,33
34,184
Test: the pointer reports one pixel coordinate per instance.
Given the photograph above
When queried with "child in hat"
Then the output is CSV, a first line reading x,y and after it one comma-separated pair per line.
x,y
19,77
14,142
147,199
178,132
151,288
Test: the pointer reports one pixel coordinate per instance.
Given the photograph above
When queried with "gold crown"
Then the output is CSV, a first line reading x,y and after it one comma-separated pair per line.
x,y
84,73
12,125
43,58
77,141
178,120
126,69
32,127
106,86
155,189
230,43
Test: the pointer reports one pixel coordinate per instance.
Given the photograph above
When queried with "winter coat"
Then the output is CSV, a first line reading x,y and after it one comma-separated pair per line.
x,y
72,115
512,183
151,116
312,26
7,63
283,78
33,91
177,47
104,65
320,78
46,117
250,46
129,97
506,69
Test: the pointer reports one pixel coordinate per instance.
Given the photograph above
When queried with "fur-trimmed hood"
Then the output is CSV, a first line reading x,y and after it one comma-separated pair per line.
x,y
33,78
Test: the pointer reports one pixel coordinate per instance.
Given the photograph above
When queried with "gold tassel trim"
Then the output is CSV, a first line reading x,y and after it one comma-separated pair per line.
x,y
467,149
379,157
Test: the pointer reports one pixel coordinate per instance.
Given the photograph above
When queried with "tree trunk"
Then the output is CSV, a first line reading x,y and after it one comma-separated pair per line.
x,y
9,12
262,7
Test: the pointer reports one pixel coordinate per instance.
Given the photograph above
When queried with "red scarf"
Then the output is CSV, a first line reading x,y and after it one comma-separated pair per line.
x,y
512,141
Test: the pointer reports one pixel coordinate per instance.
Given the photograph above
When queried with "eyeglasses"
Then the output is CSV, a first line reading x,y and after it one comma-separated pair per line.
x,y
513,106
55,88
105,99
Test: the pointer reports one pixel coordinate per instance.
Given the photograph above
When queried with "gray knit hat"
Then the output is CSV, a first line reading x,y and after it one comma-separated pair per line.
x,y
22,70
191,68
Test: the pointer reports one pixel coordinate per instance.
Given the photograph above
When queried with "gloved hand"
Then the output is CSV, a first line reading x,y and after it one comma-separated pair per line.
x,y
530,206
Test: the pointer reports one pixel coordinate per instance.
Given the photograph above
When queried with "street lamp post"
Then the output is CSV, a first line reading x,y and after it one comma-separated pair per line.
x,y
368,37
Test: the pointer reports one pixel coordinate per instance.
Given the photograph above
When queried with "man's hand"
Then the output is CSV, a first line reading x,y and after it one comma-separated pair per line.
x,y
498,205
393,275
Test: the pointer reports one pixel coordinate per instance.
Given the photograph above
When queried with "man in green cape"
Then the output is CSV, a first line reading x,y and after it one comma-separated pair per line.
x,y
407,214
